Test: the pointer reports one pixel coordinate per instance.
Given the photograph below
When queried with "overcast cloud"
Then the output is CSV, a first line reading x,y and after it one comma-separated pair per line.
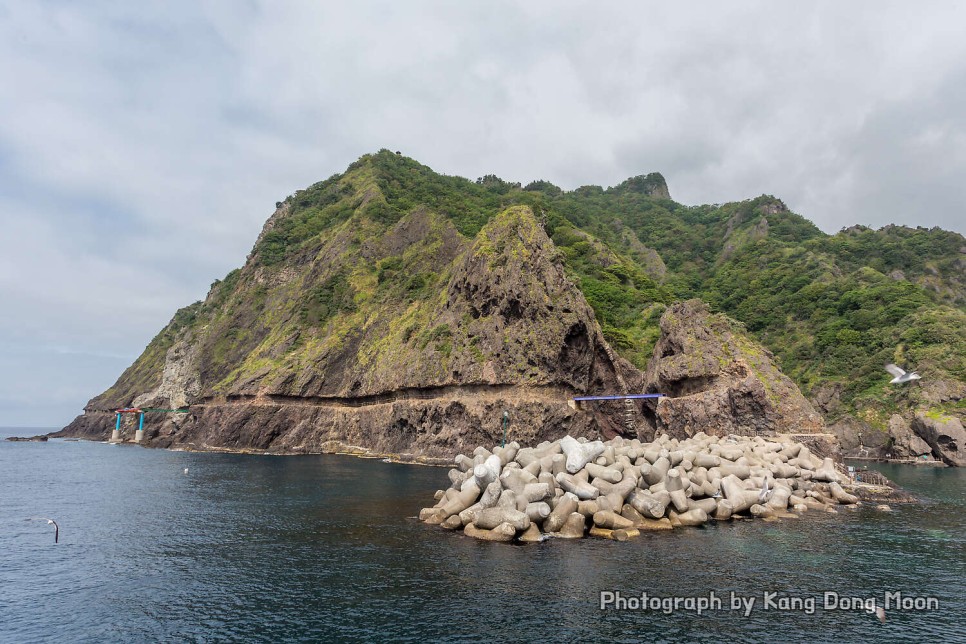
x,y
142,145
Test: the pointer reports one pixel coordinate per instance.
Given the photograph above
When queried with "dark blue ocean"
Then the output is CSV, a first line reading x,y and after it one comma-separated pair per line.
x,y
325,548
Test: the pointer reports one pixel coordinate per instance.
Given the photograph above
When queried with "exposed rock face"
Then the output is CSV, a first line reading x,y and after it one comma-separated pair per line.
x,y
523,308
397,309
933,436
827,398
653,185
506,330
282,210
649,259
945,435
437,426
858,438
905,442
180,380
720,382
936,391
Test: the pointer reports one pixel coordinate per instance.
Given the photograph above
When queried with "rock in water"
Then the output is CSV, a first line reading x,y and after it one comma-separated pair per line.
x,y
905,442
946,436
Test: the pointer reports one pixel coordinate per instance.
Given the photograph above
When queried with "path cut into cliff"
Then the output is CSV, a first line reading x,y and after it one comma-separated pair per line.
x,y
399,309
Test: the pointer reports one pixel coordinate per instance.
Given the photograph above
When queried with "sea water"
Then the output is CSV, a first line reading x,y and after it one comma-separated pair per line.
x,y
326,548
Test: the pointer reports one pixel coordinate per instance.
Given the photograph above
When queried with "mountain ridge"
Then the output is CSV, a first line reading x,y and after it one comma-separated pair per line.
x,y
381,245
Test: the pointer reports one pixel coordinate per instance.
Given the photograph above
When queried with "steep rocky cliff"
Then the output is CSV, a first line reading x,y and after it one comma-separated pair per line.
x,y
398,308
926,421
411,339
719,381
929,436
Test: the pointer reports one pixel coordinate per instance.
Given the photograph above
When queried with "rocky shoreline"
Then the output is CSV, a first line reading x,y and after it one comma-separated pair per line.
x,y
571,488
40,438
336,448
929,437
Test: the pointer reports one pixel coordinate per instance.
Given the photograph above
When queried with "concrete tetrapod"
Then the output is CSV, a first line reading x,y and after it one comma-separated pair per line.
x,y
573,528
492,517
606,519
532,535
566,505
621,534
503,532
559,487
647,504
582,490
538,511
609,474
579,454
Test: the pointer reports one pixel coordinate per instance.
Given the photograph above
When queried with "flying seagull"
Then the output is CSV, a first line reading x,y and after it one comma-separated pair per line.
x,y
49,522
900,375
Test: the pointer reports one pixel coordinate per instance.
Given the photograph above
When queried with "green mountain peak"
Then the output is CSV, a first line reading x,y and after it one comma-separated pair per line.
x,y
391,277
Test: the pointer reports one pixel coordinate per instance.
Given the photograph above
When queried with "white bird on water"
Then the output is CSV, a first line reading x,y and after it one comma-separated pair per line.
x,y
49,522
901,375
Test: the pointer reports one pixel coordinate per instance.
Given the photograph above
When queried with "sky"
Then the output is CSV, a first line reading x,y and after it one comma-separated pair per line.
x,y
144,144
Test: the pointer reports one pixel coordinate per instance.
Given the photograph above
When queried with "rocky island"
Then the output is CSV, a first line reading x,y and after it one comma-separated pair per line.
x,y
393,310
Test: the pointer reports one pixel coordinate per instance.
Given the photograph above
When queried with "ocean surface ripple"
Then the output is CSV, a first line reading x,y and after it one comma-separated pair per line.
x,y
326,548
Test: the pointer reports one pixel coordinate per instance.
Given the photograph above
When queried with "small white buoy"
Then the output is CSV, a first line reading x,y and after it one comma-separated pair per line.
x,y
186,470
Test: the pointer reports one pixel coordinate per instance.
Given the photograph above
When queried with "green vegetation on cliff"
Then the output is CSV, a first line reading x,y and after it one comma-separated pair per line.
x,y
355,276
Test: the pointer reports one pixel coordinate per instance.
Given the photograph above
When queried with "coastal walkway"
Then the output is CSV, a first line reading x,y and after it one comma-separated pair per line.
x,y
630,410
581,399
510,393
540,393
